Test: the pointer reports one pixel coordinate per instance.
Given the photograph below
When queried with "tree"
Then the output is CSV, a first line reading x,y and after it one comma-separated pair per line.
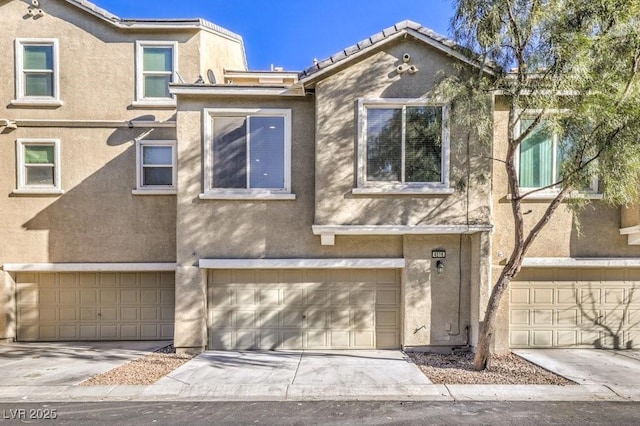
x,y
564,66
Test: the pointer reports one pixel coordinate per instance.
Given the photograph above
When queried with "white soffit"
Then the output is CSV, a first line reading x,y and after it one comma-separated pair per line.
x,y
328,232
348,263
89,267
572,262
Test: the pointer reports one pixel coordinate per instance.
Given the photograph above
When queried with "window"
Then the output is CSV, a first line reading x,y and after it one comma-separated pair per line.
x,y
403,146
156,167
37,77
38,166
156,68
248,153
541,155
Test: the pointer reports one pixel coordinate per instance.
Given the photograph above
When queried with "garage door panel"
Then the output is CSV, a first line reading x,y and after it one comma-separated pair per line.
x,y
570,312
94,306
246,319
363,339
344,311
292,339
315,319
87,280
270,297
387,339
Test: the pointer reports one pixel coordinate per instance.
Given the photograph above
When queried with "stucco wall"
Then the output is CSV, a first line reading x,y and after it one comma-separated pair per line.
x,y
97,219
97,60
336,126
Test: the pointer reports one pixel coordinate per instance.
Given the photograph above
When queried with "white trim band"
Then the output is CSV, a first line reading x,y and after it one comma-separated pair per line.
x,y
295,90
89,267
328,232
347,263
572,262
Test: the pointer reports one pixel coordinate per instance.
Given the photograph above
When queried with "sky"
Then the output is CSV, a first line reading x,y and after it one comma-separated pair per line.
x,y
288,33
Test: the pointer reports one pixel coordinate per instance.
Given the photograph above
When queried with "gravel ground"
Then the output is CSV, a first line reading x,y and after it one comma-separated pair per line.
x,y
442,369
142,371
506,369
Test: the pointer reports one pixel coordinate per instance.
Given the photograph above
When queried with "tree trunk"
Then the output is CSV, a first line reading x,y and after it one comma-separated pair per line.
x,y
483,351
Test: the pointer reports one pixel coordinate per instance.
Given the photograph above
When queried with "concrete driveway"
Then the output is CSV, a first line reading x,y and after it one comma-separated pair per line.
x,y
299,373
53,364
589,366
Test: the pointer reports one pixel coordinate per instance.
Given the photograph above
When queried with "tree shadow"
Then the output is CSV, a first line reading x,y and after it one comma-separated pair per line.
x,y
615,322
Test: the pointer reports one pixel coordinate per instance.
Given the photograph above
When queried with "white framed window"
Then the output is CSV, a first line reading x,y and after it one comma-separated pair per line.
x,y
38,166
37,72
156,167
403,146
540,156
156,67
247,153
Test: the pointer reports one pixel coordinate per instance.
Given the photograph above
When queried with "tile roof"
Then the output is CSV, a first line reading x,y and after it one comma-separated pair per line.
x,y
375,39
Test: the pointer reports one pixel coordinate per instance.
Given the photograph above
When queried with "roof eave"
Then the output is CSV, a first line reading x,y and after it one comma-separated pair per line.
x,y
218,90
347,58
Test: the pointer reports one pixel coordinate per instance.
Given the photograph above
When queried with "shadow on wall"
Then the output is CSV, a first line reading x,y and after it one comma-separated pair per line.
x,y
589,238
99,220
338,162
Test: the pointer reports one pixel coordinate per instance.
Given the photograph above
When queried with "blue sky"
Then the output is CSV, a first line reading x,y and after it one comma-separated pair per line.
x,y
292,33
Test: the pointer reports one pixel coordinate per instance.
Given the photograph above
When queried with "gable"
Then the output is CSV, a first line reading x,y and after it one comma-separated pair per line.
x,y
401,31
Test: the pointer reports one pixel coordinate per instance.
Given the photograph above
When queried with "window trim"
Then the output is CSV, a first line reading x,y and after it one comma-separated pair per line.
x,y
414,188
21,96
591,193
141,100
22,187
245,193
142,189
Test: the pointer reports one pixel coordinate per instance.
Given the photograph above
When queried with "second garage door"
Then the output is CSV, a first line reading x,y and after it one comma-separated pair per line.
x,y
569,308
95,306
304,309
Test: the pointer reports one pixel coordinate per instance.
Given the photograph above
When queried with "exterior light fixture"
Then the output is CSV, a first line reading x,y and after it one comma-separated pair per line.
x,y
440,267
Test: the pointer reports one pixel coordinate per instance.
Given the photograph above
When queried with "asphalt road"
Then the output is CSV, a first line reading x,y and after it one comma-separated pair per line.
x,y
323,413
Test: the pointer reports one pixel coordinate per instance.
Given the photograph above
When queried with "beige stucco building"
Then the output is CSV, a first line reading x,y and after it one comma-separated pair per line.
x,y
154,188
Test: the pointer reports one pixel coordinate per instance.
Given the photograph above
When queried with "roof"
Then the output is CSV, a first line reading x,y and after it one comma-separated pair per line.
x,y
196,23
418,31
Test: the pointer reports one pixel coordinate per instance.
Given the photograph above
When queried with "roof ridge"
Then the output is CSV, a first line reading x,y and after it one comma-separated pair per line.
x,y
406,25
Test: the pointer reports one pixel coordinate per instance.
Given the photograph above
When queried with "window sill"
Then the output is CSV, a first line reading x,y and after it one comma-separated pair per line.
x,y
163,103
246,196
154,192
37,103
403,191
37,192
548,196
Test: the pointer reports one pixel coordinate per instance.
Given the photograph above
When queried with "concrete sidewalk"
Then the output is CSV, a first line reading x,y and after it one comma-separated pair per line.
x,y
334,375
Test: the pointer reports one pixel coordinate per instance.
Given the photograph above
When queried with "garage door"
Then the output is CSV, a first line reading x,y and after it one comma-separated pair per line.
x,y
304,309
95,306
575,308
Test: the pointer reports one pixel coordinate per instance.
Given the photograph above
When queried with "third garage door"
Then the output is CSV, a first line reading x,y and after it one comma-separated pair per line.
x,y
304,309
568,308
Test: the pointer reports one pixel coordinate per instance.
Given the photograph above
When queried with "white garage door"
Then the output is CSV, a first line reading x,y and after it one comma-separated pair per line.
x,y
304,309
568,308
95,306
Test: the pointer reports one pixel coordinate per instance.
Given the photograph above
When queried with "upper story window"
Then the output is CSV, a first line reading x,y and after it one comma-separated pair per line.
x,y
541,156
156,64
156,167
403,147
38,164
37,72
248,153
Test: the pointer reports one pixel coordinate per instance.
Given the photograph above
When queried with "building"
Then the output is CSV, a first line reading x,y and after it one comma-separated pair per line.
x,y
339,207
